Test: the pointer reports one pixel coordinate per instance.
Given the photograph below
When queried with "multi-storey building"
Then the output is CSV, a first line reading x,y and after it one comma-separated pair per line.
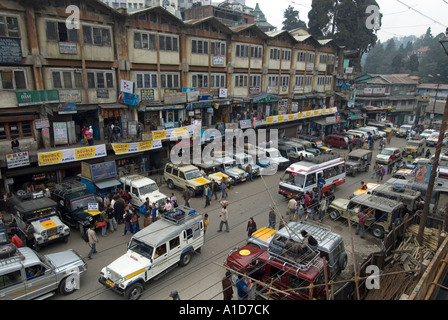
x,y
145,69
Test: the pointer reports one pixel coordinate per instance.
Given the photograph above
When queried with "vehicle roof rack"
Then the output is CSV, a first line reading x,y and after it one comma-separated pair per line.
x,y
323,158
17,256
23,195
69,187
179,215
277,250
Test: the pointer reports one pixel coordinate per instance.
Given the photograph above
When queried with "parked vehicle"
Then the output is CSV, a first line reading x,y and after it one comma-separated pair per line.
x,y
182,176
215,172
358,134
432,140
303,176
382,212
154,251
26,275
274,157
243,159
358,161
330,244
316,143
335,140
140,188
398,192
228,166
41,212
404,174
372,131
414,148
370,187
384,157
279,278
77,206
404,130
293,150
427,133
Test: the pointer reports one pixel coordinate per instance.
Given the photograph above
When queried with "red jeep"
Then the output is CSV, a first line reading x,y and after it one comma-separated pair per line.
x,y
283,280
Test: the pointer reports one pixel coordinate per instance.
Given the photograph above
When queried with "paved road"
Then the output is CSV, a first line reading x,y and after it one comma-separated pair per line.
x,y
201,279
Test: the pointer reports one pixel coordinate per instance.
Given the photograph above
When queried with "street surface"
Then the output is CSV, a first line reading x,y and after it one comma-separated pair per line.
x,y
201,279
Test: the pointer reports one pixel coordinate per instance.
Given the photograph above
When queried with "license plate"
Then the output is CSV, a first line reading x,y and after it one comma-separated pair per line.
x,y
243,179
110,283
53,237
288,196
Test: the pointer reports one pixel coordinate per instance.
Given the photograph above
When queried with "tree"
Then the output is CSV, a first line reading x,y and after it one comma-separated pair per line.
x,y
397,63
434,62
320,18
413,64
292,20
374,59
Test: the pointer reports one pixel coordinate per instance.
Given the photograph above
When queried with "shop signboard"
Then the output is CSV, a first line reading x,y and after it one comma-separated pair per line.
x,y
128,98
102,93
132,147
174,97
18,159
60,133
68,48
67,108
28,98
41,123
10,50
70,155
99,171
147,94
69,95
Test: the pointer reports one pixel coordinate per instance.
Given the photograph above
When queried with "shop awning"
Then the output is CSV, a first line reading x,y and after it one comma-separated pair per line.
x,y
107,183
113,106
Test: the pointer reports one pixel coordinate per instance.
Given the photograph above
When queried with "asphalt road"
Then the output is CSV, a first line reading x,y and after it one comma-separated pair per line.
x,y
201,279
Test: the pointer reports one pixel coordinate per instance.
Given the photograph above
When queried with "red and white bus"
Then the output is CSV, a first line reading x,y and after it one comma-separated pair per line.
x,y
303,176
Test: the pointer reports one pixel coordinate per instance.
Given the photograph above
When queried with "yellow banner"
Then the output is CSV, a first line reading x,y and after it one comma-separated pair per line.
x,y
291,117
50,157
85,153
159,135
269,120
299,115
308,114
145,145
180,131
281,118
120,147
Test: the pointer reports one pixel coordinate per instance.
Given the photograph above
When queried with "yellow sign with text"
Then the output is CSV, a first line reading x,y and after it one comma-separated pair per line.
x,y
50,157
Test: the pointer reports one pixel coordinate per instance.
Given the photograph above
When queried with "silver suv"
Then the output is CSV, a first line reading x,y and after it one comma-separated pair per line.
x,y
26,275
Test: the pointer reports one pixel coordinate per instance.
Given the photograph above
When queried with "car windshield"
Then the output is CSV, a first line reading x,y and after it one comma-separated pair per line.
x,y
387,152
413,144
427,132
141,248
82,203
294,178
149,188
192,174
40,214
434,135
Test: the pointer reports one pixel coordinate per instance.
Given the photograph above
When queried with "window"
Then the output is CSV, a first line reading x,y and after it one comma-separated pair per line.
x,y
309,80
169,80
284,81
273,81
174,243
275,54
320,80
13,79
242,50
144,41
299,80
200,80
301,55
199,46
100,80
310,57
328,80
168,43
286,55
57,31
10,279
9,27
160,251
96,36
256,52
218,48
323,58
217,81
255,81
241,81
67,80
146,80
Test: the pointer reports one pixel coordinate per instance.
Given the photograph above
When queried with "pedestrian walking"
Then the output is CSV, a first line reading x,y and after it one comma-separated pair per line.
x,y
428,154
243,289
207,194
93,240
227,288
104,219
375,169
186,194
224,218
292,203
119,206
173,201
300,210
360,228
29,235
134,223
147,220
206,222
272,218
111,218
223,190
127,222
389,138
154,212
249,172
215,189
323,207
175,295
251,227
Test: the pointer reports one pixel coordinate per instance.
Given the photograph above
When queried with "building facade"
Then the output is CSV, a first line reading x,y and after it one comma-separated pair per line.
x,y
147,72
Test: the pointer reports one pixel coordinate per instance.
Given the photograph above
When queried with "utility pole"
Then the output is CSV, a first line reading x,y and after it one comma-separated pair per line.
x,y
432,177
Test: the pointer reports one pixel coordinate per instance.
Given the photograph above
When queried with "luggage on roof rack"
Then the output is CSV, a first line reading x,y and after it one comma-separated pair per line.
x,y
179,214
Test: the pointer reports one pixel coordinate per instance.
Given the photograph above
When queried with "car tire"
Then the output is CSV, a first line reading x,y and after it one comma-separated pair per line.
x,y
68,285
7,250
377,231
170,184
334,214
342,261
185,259
134,291
192,192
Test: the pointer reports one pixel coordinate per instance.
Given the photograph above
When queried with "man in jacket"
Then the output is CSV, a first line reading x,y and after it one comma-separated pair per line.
x,y
186,195
92,241
227,288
